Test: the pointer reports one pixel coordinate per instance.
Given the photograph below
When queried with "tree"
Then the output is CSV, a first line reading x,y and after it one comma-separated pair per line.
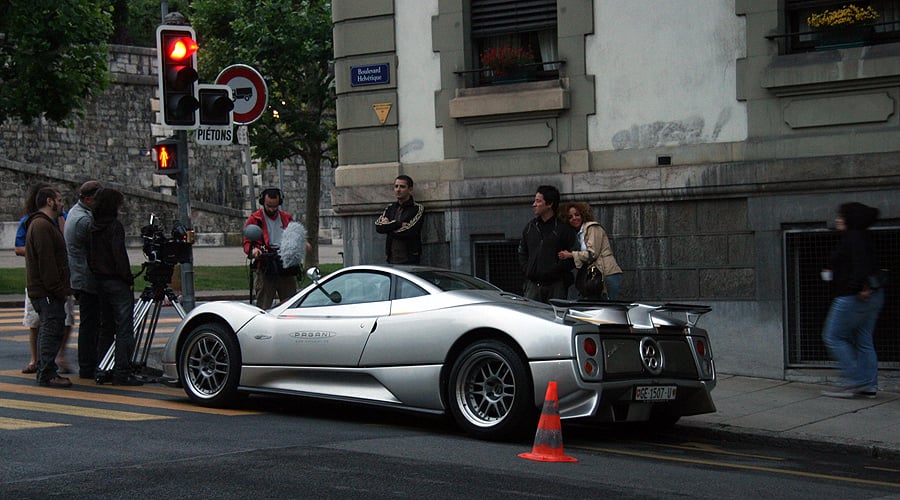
x,y
53,57
289,42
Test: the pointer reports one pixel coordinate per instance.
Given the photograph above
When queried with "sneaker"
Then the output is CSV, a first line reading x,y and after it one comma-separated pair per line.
x,y
56,381
130,380
840,393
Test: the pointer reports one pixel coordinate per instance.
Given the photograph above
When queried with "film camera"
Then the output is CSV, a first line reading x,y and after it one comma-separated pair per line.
x,y
163,252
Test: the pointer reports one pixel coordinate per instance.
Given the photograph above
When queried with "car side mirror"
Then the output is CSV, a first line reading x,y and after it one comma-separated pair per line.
x,y
314,274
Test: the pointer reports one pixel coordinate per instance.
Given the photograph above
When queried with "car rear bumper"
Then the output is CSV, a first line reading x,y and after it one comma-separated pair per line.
x,y
614,401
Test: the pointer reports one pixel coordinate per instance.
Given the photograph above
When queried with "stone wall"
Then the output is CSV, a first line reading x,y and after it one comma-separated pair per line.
x,y
113,141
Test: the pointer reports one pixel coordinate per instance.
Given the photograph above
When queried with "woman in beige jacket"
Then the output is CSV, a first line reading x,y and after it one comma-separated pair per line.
x,y
594,249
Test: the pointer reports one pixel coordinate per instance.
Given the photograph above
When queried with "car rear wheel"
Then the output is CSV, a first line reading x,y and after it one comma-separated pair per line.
x,y
490,392
209,366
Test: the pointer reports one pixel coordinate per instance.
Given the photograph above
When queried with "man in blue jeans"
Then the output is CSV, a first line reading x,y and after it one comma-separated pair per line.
x,y
850,324
47,281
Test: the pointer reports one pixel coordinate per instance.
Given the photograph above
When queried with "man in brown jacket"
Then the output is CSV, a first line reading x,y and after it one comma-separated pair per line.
x,y
47,281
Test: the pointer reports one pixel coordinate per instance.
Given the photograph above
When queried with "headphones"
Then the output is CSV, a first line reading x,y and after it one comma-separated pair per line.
x,y
271,193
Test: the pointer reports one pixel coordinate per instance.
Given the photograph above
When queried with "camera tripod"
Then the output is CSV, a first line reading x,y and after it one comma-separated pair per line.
x,y
146,318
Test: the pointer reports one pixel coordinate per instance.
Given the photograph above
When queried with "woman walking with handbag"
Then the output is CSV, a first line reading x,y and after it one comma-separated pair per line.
x,y
599,276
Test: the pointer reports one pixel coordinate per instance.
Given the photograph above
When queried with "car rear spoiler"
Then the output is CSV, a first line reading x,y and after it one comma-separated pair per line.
x,y
639,316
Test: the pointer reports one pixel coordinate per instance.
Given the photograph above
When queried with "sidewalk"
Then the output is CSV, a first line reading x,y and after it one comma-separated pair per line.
x,y
778,412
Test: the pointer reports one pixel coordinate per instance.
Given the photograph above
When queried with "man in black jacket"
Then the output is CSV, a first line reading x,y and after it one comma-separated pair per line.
x,y
401,221
542,239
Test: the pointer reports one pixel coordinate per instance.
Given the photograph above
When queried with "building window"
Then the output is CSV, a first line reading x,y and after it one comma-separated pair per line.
x,y
800,37
497,262
524,24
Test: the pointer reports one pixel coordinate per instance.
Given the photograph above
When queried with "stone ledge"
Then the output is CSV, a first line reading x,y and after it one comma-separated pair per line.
x,y
512,99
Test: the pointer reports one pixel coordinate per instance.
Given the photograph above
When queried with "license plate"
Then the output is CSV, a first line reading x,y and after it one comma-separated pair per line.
x,y
655,392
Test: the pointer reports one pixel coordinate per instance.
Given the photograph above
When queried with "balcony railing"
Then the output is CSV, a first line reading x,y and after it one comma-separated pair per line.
x,y
545,70
805,41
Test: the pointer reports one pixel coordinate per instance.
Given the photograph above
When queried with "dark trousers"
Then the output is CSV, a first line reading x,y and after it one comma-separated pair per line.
x,y
543,292
96,331
52,312
119,297
269,285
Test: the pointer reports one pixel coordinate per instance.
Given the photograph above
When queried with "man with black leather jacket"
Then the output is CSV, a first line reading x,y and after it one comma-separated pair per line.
x,y
542,239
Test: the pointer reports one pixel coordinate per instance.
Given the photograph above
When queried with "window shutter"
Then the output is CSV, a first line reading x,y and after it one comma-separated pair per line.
x,y
498,17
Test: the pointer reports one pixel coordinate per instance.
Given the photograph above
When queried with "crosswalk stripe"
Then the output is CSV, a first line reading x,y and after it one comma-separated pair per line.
x,y
18,328
159,390
17,424
79,411
76,394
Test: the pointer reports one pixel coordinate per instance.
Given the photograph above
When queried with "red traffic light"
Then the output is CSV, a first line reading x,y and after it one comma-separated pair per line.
x,y
181,48
176,48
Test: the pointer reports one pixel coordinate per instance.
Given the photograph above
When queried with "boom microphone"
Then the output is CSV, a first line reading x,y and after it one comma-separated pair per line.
x,y
293,245
253,232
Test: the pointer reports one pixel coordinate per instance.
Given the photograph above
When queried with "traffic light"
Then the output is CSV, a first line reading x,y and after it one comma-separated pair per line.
x,y
216,106
167,156
176,48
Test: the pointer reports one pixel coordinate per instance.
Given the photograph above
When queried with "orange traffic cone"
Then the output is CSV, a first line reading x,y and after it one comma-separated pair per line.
x,y
548,446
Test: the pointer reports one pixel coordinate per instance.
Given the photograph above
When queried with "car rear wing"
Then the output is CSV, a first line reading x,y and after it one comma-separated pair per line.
x,y
639,316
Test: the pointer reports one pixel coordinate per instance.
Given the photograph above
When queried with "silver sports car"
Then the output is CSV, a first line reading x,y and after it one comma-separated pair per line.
x,y
440,341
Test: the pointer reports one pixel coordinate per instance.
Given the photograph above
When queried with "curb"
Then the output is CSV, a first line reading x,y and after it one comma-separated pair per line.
x,y
778,440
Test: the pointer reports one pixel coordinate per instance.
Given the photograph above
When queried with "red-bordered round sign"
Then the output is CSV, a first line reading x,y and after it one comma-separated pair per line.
x,y
248,90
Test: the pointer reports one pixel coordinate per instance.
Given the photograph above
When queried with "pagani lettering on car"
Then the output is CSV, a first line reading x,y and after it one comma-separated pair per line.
x,y
439,341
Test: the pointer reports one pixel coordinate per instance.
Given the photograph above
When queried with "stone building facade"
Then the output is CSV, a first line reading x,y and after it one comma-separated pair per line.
x,y
713,144
113,141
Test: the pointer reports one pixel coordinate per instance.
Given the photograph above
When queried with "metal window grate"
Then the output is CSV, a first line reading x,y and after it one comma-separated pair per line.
x,y
808,297
497,262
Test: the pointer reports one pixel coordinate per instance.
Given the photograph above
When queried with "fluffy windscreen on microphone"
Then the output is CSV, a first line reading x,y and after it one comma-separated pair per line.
x,y
293,245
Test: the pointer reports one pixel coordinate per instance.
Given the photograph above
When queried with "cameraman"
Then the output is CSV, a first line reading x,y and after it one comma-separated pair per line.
x,y
108,260
271,277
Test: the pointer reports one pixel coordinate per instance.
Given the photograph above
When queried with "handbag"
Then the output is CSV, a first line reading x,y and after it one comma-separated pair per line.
x,y
592,284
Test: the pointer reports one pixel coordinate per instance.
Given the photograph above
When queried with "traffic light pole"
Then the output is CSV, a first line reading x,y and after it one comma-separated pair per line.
x,y
183,181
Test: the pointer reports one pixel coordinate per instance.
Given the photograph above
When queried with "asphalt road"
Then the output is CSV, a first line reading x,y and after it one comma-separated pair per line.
x,y
121,442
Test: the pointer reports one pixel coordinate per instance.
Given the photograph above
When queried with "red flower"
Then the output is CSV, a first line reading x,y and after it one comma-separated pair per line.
x,y
502,59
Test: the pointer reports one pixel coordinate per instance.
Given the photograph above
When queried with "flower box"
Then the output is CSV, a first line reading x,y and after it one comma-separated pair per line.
x,y
508,64
848,26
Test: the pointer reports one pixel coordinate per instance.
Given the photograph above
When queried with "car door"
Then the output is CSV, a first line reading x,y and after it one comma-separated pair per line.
x,y
331,324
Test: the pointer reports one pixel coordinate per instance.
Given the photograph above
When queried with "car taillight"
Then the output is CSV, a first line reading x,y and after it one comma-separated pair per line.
x,y
589,358
701,348
590,347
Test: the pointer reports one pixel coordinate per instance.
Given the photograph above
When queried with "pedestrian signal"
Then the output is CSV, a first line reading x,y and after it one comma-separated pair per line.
x,y
166,156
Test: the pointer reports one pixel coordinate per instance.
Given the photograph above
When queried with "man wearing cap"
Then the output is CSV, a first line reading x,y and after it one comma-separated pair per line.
x,y
95,332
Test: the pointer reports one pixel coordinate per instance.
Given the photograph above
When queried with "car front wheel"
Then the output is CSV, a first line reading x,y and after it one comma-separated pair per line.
x,y
490,392
209,366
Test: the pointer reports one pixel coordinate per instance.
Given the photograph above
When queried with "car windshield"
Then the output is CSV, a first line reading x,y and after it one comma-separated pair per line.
x,y
448,280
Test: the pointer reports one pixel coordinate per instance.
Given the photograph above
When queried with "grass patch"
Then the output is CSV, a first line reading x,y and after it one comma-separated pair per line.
x,y
12,281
